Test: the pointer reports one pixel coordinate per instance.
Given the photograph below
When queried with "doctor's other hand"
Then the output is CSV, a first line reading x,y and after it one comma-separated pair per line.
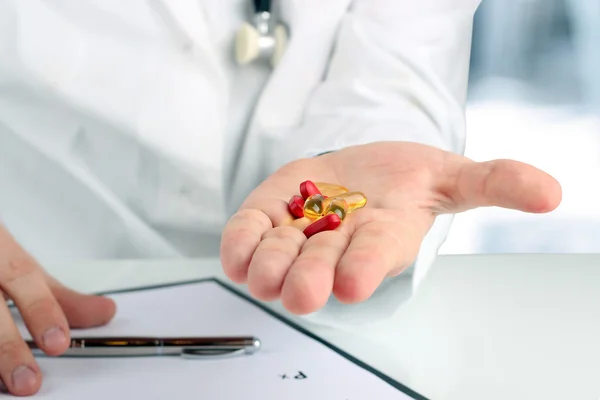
x,y
48,309
407,186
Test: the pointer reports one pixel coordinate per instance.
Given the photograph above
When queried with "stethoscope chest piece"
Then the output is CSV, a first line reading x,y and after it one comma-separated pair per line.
x,y
263,40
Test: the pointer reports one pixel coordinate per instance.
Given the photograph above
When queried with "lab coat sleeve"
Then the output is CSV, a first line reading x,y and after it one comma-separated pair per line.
x,y
398,72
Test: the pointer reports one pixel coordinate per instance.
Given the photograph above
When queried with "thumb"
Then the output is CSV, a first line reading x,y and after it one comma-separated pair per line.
x,y
502,183
83,311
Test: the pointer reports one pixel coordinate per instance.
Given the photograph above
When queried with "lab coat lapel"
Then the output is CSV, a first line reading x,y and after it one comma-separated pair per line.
x,y
190,29
313,26
186,21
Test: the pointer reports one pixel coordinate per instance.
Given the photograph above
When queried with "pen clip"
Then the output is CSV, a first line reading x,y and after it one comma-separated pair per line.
x,y
212,353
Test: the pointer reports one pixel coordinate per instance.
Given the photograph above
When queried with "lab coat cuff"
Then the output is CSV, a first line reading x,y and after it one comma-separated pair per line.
x,y
361,133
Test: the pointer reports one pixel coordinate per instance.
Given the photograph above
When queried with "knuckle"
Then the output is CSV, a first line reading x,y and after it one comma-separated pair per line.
x,y
485,186
40,308
11,350
17,268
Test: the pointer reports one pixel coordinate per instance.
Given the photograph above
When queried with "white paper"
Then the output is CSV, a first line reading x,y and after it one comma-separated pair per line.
x,y
207,309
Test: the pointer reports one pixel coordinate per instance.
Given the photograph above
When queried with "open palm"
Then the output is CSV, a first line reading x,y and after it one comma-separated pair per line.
x,y
407,185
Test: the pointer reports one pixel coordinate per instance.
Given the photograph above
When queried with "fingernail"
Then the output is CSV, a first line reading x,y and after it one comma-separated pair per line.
x,y
23,379
54,338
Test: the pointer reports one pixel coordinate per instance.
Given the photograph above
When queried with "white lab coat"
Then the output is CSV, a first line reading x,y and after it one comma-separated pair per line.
x,y
126,129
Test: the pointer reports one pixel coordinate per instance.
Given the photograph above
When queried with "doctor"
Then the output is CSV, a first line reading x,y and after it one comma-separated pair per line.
x,y
154,128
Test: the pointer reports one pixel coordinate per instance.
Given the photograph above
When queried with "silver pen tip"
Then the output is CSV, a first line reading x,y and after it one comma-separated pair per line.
x,y
255,346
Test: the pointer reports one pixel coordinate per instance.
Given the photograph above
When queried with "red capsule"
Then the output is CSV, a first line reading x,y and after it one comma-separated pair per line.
x,y
328,223
296,206
308,188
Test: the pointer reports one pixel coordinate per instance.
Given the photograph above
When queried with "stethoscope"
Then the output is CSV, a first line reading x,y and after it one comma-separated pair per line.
x,y
263,40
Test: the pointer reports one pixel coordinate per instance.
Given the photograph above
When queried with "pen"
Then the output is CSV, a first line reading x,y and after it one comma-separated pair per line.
x,y
131,346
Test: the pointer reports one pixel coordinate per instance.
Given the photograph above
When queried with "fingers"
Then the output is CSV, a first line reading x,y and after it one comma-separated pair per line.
x,y
272,260
384,247
309,281
82,311
502,183
40,300
18,370
244,231
23,281
350,262
239,240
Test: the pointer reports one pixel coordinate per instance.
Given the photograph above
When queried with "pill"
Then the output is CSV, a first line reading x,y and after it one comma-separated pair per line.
x,y
313,207
354,200
308,188
337,206
329,189
327,223
296,206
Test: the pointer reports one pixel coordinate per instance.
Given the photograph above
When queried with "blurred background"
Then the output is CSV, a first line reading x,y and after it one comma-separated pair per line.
x,y
534,96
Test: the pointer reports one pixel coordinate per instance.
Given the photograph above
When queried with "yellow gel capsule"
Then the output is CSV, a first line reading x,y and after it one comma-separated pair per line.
x,y
354,200
337,206
313,207
329,189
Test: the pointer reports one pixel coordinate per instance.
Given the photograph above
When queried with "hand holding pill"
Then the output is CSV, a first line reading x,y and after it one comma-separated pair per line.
x,y
341,223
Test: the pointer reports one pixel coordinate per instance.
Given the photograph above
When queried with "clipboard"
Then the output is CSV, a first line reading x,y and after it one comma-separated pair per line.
x,y
370,375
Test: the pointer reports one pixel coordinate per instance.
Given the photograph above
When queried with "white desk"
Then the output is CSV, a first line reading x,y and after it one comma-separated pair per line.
x,y
482,327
